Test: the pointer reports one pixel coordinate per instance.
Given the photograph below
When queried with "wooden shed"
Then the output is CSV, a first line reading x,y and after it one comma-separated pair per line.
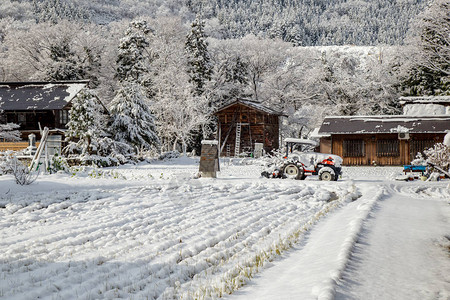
x,y
244,123
381,140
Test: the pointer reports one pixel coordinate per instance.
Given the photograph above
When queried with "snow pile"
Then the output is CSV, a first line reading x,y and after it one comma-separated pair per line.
x,y
424,110
447,140
400,129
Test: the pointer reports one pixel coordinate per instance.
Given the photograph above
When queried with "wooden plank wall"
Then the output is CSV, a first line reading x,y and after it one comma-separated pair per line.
x,y
371,158
14,146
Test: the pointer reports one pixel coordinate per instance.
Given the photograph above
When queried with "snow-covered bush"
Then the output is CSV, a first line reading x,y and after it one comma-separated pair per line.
x,y
58,163
9,164
419,160
439,155
5,166
169,155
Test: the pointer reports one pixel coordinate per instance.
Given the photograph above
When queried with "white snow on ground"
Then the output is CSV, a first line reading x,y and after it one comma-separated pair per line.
x,y
153,231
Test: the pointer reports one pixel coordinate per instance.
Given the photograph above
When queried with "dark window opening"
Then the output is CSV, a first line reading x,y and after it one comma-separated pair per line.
x,y
22,118
388,148
354,148
63,117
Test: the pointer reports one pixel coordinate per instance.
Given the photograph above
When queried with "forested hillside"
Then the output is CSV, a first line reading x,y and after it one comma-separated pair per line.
x,y
302,22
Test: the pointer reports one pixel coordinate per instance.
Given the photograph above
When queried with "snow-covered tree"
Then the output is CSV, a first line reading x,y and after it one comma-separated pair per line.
x,y
134,56
133,121
262,57
63,51
87,136
87,123
180,114
66,64
428,60
199,61
434,26
229,80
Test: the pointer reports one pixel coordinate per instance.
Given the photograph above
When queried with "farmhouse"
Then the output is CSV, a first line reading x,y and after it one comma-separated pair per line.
x,y
381,140
35,105
244,124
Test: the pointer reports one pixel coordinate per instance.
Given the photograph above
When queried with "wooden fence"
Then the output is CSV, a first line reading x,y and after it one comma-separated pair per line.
x,y
14,146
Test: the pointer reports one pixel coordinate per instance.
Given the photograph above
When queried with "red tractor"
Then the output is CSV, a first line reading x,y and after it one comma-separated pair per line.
x,y
299,162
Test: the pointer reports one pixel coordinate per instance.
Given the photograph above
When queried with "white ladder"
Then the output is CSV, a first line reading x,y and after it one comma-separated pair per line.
x,y
237,145
228,150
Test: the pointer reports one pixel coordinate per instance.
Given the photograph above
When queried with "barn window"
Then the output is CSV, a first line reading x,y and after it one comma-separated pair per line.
x,y
354,148
63,117
388,148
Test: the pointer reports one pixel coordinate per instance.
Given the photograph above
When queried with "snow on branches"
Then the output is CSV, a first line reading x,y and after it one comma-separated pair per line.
x,y
439,155
9,133
87,136
133,121
132,118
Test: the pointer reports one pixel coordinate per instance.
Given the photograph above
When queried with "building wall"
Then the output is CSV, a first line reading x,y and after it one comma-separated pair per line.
x,y
381,149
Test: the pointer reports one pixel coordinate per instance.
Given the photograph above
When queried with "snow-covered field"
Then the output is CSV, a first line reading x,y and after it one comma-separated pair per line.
x,y
154,231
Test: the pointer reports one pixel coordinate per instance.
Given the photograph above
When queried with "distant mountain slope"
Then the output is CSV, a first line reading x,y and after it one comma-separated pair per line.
x,y
302,22
314,22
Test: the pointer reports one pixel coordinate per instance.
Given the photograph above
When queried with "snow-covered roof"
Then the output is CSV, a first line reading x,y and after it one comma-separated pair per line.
x,y
301,141
251,104
38,95
315,133
445,100
428,109
384,124
210,142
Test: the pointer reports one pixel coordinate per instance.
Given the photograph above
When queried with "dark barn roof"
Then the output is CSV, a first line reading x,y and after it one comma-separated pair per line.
x,y
19,96
252,104
384,124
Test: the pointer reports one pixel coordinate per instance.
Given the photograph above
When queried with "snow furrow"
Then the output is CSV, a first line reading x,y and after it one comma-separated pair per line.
x,y
155,241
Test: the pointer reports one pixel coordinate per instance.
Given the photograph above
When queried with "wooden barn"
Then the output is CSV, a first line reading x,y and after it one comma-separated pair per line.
x,y
381,140
244,124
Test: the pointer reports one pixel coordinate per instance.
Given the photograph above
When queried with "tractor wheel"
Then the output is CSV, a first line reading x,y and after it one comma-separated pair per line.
x,y
326,176
293,171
